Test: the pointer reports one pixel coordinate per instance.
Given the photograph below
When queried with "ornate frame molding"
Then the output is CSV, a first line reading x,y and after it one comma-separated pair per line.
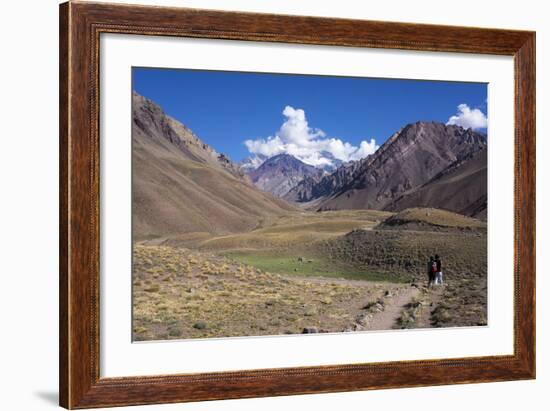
x,y
80,27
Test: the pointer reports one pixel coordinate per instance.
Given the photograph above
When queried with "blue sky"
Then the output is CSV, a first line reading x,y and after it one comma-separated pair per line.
x,y
225,109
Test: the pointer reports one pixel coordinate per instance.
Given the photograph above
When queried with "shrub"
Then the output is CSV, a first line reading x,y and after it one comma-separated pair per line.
x,y
175,332
199,325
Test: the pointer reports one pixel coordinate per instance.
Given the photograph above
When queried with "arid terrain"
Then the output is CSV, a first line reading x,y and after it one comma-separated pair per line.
x,y
214,255
312,272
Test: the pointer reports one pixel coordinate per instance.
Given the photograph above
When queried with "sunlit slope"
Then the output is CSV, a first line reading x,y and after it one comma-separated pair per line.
x,y
177,188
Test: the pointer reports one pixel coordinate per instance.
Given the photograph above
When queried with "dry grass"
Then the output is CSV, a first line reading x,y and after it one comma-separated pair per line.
x,y
410,314
296,229
179,293
464,303
431,218
274,287
403,255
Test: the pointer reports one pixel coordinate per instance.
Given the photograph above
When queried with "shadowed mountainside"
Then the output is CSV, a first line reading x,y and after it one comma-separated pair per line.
x,y
310,188
461,187
279,174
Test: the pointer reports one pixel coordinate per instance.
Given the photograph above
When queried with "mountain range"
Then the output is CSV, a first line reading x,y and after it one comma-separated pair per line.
x,y
425,164
405,169
182,185
280,173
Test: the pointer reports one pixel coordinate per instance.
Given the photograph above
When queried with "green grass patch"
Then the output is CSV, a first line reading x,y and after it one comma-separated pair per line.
x,y
309,267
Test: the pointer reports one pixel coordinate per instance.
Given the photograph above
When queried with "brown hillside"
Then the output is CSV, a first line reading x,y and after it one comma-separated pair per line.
x,y
431,219
181,185
462,188
407,161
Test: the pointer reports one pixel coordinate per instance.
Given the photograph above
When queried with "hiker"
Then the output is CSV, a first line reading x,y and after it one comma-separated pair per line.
x,y
432,269
439,272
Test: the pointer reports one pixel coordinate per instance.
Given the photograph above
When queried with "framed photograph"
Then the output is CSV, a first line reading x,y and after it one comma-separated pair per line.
x,y
258,205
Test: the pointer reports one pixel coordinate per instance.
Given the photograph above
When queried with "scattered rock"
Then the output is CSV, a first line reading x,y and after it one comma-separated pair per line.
x,y
375,306
362,320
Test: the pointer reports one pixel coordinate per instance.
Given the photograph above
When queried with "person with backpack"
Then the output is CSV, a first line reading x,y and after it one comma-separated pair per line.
x,y
439,272
432,269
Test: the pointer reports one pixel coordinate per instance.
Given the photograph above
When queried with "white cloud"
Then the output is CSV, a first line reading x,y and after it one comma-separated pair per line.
x,y
310,145
468,118
364,149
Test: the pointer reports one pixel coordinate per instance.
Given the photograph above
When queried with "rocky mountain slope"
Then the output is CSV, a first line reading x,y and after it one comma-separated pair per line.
x,y
416,159
313,188
461,187
279,174
182,185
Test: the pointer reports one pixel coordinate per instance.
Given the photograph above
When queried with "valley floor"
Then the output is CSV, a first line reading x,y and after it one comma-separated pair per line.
x,y
310,272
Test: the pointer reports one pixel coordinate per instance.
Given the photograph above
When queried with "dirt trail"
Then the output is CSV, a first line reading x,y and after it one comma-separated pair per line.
x,y
154,241
393,306
434,295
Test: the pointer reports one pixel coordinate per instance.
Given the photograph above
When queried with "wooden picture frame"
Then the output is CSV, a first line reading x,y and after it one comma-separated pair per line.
x,y
80,27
